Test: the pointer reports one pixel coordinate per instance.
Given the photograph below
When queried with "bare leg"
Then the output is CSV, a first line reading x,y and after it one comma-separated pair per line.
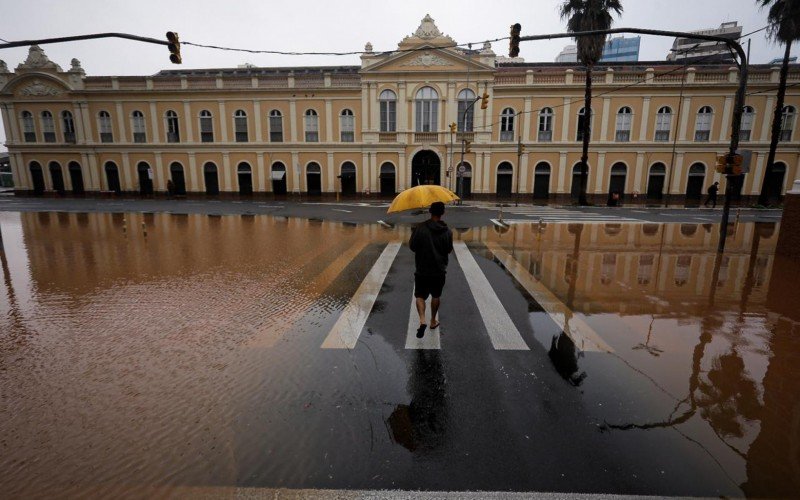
x,y
434,310
421,310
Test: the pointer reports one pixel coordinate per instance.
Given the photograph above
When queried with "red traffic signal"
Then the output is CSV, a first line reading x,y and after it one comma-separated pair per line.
x,y
513,44
174,47
485,100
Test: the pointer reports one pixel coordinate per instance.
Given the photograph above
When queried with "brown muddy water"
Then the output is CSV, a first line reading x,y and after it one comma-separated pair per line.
x,y
129,342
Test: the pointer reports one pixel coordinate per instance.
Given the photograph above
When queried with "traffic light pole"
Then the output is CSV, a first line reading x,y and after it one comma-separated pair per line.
x,y
460,182
42,41
738,107
519,158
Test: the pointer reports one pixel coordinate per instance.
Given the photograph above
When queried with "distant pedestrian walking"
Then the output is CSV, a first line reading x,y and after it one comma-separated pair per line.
x,y
431,242
170,188
712,195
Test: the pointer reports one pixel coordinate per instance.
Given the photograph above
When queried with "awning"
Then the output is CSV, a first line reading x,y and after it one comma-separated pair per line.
x,y
278,175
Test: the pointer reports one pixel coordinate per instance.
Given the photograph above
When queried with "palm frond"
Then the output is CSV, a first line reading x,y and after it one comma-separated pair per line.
x,y
590,15
783,17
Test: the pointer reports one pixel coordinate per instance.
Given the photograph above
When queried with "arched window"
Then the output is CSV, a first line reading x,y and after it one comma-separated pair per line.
x,y
313,179
348,177
28,127
347,126
748,116
48,127
546,125
702,129
787,123
541,181
145,178
206,126
211,178
655,181
387,176
466,116
57,177
68,126
112,177
37,176
581,121
616,184
426,105
275,126
178,178
104,125
575,189
388,109
244,174
682,267
312,126
240,125
663,124
137,122
278,178
507,125
505,178
695,181
173,130
76,177
624,122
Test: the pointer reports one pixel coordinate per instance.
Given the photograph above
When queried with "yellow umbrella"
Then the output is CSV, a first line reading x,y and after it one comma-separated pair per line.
x,y
421,197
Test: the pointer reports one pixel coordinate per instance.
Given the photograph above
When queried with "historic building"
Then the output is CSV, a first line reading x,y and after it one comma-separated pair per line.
x,y
383,126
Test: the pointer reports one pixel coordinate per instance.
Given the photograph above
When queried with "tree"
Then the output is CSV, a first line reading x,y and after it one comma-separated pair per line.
x,y
784,27
588,15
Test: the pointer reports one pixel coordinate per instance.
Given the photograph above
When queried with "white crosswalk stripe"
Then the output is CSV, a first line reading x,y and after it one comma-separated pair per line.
x,y
432,338
550,214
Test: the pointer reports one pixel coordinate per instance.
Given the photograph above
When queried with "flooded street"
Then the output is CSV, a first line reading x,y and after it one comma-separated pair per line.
x,y
150,353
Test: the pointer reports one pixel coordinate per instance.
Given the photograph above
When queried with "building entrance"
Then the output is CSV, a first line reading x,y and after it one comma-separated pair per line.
x,y
425,168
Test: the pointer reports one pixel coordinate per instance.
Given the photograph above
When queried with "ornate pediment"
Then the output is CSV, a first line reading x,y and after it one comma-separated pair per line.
x,y
427,59
38,60
427,33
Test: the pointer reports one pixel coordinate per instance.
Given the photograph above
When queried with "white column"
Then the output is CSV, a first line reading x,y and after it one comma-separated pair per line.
x,y
686,110
226,172
11,136
562,172
159,181
328,121
402,110
769,111
19,172
523,174
189,120
374,119
601,163
604,119
223,121
194,185
293,120
565,120
726,118
758,175
373,176
295,172
96,175
123,136
486,169
332,179
262,173
645,119
87,127
154,122
125,176
637,176
403,172
526,121
80,133
450,108
257,117
365,107
364,168
677,175
87,169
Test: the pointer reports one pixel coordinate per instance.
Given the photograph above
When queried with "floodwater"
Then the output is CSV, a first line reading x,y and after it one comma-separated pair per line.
x,y
145,353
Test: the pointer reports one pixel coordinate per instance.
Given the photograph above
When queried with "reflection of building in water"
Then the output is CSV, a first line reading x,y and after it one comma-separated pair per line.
x,y
616,267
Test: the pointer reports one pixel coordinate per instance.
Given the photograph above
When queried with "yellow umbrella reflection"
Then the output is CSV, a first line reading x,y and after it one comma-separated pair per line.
x,y
421,197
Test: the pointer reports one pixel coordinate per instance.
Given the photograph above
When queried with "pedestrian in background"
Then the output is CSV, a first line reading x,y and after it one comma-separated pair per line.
x,y
170,188
712,195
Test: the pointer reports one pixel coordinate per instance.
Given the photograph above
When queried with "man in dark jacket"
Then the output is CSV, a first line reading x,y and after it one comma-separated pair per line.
x,y
712,195
431,242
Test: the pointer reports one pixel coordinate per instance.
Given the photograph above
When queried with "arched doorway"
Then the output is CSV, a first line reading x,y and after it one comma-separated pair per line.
x,y
37,177
178,179
541,181
112,177
694,185
278,178
57,176
211,178
655,181
425,168
348,178
774,182
466,180
245,176
76,177
505,180
313,179
145,179
388,179
575,189
616,184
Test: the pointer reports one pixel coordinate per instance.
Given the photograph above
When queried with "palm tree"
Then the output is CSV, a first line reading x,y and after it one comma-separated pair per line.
x,y
784,27
588,15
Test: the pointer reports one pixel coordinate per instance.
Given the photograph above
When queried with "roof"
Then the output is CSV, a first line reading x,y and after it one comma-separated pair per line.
x,y
297,70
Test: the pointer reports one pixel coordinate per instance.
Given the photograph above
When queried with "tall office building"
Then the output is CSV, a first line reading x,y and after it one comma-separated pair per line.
x,y
619,49
695,49
568,54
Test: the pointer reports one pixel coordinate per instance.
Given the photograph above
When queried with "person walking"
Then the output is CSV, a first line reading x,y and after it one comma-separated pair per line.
x,y
712,195
432,242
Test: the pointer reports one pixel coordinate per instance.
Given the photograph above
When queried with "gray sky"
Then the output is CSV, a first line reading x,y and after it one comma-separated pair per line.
x,y
343,25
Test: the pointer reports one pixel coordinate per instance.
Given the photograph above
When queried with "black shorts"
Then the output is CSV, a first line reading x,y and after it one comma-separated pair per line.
x,y
428,285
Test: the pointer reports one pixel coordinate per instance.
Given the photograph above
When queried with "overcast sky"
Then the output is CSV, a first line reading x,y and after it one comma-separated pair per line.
x,y
342,25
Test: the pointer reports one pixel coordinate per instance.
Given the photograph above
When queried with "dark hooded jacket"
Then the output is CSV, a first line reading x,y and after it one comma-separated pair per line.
x,y
431,242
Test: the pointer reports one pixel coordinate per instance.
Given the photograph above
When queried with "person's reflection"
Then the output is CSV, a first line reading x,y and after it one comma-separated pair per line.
x,y
565,359
421,425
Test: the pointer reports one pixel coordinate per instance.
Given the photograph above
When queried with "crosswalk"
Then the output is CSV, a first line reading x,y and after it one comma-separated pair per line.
x,y
502,332
551,214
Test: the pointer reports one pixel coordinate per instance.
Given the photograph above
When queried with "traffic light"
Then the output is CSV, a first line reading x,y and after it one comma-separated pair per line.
x,y
467,144
485,100
174,47
513,44
453,127
520,148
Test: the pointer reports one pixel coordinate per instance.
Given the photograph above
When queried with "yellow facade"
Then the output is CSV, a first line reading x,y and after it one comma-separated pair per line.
x,y
341,108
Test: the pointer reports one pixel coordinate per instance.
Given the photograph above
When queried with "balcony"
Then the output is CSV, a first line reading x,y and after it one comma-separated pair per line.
x,y
387,137
545,136
506,135
426,137
465,136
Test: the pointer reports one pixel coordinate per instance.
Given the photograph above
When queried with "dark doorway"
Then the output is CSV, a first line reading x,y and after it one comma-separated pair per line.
x,y
575,189
211,178
348,179
76,178
245,175
388,178
655,182
145,179
112,178
774,182
278,178
425,168
57,176
466,181
37,178
737,184
505,179
313,179
541,182
178,179
694,186
616,184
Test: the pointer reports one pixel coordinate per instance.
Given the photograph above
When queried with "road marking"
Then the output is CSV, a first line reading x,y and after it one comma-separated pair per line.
x,y
345,333
583,335
341,210
502,331
432,338
385,224
576,221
